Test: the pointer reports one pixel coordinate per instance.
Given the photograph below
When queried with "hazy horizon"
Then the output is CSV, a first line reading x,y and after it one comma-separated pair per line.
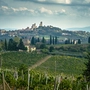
x,y
87,29
59,13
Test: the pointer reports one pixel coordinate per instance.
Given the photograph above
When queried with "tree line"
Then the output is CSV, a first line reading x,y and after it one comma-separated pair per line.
x,y
69,41
53,40
12,45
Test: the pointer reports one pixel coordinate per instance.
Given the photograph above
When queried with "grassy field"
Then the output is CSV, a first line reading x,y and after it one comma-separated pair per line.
x,y
70,45
78,50
63,64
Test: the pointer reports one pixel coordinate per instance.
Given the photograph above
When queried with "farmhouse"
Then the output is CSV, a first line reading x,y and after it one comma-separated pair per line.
x,y
27,44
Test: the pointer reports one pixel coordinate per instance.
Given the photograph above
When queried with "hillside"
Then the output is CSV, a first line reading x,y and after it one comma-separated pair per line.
x,y
64,64
87,29
15,59
46,72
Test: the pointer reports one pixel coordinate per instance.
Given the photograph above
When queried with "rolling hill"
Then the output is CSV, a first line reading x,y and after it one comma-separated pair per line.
x,y
87,29
57,63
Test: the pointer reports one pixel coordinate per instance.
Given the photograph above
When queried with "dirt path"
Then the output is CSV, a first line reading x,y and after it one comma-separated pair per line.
x,y
39,62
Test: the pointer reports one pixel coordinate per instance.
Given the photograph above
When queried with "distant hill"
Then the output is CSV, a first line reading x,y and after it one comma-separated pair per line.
x,y
7,29
72,33
87,29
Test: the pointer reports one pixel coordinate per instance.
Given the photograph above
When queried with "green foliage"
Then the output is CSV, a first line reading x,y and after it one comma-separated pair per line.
x,y
50,39
67,41
42,46
0,77
10,79
12,45
51,49
38,40
46,51
2,46
56,40
79,85
23,69
43,40
33,41
87,71
79,41
21,83
89,40
16,39
6,47
53,40
73,48
21,45
65,85
37,45
44,81
0,49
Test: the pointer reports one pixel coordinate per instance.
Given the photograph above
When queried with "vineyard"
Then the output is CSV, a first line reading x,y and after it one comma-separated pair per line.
x,y
63,64
22,80
15,59
56,73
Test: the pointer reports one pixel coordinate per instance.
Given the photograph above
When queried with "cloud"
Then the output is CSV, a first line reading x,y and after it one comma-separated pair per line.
x,y
81,1
84,12
15,11
62,2
4,7
60,12
27,11
19,9
44,10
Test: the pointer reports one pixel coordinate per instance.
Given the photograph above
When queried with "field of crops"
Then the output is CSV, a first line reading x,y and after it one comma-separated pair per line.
x,y
63,64
40,81
57,73
56,64
15,59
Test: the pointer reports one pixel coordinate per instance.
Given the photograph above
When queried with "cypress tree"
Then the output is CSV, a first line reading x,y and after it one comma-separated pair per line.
x,y
38,40
89,40
5,44
53,40
56,40
12,45
21,45
43,40
50,39
33,41
79,41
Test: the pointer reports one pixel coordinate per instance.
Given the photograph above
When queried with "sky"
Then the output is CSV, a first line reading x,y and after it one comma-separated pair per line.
x,y
59,13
